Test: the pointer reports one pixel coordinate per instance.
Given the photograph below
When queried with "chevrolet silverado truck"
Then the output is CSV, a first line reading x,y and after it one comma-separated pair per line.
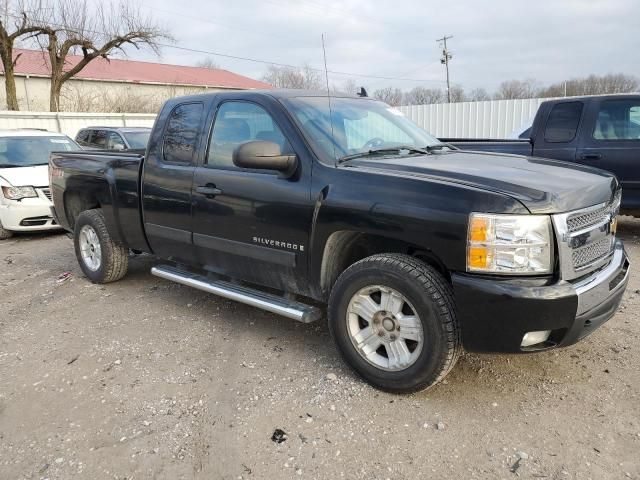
x,y
600,131
291,201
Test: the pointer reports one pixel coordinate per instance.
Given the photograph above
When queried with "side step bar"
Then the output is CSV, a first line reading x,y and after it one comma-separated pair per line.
x,y
266,301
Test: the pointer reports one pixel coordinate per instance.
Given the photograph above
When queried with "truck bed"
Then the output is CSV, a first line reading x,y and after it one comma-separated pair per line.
x,y
101,179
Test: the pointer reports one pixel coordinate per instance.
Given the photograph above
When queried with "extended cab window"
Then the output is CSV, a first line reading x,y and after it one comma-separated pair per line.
x,y
618,120
237,123
83,137
563,122
99,139
181,135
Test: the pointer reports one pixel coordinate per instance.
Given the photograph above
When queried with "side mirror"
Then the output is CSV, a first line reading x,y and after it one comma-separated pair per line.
x,y
118,146
263,155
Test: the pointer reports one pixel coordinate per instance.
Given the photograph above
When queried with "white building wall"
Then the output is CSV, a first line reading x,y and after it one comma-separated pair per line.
x,y
490,119
70,123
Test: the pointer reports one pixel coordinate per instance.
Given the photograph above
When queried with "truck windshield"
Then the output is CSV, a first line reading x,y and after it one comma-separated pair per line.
x,y
137,139
30,151
358,127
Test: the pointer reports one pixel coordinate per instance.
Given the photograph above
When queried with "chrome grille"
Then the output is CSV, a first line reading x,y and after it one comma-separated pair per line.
x,y
585,256
586,238
46,192
580,221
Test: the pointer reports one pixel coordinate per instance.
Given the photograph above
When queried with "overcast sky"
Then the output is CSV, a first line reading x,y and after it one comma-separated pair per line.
x,y
546,40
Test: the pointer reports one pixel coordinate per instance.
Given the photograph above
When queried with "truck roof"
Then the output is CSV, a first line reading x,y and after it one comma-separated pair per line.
x,y
277,93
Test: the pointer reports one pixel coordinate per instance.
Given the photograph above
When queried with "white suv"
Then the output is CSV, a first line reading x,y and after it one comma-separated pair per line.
x,y
25,198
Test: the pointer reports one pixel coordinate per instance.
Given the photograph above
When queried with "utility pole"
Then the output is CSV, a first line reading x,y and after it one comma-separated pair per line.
x,y
446,57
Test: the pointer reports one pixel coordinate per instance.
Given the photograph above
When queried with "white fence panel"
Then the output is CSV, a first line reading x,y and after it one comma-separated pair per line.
x,y
70,123
490,119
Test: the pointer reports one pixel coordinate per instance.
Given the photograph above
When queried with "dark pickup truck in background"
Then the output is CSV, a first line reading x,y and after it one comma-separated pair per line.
x,y
290,201
599,131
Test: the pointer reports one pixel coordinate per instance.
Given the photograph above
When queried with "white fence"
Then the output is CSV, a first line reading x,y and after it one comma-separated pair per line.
x,y
70,123
490,119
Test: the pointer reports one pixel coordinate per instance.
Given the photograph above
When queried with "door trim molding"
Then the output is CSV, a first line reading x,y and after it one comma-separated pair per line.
x,y
257,252
175,234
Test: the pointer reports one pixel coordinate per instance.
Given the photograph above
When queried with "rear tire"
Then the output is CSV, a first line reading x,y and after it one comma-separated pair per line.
x,y
5,234
393,319
101,259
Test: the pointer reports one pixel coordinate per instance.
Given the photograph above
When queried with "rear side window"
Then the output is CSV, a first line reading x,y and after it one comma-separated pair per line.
x,y
83,136
182,132
563,122
618,120
99,139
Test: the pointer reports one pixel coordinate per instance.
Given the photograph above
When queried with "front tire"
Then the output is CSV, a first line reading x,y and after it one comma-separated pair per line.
x,y
101,259
393,319
5,234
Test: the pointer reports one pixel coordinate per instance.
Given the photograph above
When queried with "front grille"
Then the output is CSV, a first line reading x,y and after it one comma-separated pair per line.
x,y
46,192
586,238
585,256
580,221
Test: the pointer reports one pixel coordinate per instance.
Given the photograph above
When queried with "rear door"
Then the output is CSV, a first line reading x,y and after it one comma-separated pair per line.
x,y
256,227
167,179
559,137
611,141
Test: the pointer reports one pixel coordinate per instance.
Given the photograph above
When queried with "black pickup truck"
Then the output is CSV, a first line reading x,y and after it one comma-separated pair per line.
x,y
291,200
599,131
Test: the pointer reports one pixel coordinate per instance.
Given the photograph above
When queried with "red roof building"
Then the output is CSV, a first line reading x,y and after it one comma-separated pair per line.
x,y
36,63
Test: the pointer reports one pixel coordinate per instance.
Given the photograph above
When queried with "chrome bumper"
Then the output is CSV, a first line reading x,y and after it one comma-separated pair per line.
x,y
604,283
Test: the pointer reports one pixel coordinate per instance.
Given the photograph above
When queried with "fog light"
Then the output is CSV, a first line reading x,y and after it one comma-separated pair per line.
x,y
533,338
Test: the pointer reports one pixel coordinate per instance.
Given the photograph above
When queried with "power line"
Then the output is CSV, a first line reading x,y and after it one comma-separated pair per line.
x,y
288,65
268,62
446,57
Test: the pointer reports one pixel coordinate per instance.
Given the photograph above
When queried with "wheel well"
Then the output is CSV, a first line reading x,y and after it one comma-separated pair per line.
x,y
344,248
76,202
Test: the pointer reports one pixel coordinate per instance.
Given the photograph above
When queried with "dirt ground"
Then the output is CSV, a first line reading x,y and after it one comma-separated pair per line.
x,y
148,379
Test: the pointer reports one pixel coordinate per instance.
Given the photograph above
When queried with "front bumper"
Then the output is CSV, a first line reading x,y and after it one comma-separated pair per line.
x,y
27,215
495,314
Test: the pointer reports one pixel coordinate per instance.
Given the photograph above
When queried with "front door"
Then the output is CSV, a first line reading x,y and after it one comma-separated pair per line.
x,y
613,144
252,224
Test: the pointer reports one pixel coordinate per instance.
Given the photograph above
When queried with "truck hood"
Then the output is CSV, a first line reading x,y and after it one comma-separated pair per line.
x,y
36,176
540,184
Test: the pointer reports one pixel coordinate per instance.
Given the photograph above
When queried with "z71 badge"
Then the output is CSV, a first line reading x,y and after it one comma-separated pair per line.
x,y
278,244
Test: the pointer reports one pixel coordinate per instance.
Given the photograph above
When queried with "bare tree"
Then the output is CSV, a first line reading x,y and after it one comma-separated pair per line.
x,y
92,31
593,85
515,89
424,96
457,94
478,95
287,77
392,96
22,26
209,63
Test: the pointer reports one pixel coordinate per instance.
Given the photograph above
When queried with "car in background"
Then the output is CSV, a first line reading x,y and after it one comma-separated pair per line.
x,y
25,197
114,138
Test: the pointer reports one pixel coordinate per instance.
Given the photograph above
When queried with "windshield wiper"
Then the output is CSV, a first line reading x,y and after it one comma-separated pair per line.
x,y
439,146
376,151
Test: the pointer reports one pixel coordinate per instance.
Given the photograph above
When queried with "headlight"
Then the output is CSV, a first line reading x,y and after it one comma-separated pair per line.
x,y
509,244
18,193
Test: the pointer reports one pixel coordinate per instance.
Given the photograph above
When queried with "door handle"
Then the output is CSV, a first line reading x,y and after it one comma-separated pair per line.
x,y
591,156
209,190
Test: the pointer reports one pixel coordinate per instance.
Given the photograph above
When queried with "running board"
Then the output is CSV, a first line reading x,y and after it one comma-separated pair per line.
x,y
266,301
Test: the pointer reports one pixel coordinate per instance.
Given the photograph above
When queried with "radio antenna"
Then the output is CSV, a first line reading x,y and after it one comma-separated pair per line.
x,y
326,76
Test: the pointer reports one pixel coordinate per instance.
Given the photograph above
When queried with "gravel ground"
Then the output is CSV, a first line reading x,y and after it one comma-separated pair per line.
x,y
148,379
